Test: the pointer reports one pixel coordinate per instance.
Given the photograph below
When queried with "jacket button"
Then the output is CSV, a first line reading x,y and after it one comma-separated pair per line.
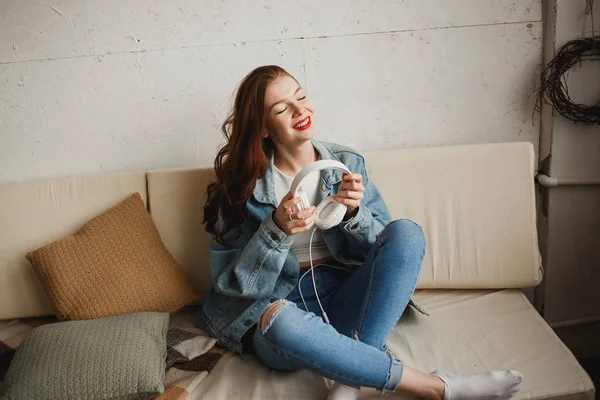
x,y
248,322
355,226
292,276
273,300
274,236
255,270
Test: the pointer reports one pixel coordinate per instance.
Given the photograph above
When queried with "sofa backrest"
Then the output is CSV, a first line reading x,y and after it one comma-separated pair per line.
x,y
176,202
33,214
476,204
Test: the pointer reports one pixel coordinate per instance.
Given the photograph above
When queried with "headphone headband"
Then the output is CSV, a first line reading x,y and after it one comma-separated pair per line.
x,y
316,166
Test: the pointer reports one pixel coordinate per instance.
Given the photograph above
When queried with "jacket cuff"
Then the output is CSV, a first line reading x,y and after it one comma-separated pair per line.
x,y
274,236
356,223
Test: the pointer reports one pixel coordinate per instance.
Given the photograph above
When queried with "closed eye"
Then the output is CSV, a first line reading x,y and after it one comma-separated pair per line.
x,y
282,111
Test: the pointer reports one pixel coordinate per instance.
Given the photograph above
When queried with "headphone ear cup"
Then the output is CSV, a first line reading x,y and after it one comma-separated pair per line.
x,y
329,213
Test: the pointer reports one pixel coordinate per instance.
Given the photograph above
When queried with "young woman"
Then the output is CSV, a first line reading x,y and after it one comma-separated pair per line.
x,y
366,268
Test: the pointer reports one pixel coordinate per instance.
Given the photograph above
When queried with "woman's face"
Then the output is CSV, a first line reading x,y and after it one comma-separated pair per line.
x,y
288,111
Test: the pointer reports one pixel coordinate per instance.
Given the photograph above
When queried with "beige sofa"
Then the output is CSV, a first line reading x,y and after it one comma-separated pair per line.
x,y
477,207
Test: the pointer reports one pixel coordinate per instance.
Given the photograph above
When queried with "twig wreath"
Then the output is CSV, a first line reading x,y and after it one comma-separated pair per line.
x,y
554,90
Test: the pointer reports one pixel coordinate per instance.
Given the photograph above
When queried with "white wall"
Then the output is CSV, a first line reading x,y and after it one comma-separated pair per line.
x,y
111,85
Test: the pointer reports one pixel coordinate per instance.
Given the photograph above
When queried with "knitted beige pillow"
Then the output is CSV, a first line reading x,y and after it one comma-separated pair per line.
x,y
116,264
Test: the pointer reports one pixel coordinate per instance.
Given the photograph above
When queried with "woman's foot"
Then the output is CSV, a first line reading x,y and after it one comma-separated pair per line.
x,y
492,385
340,391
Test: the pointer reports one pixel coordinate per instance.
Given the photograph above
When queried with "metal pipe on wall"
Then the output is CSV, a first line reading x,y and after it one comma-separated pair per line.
x,y
550,181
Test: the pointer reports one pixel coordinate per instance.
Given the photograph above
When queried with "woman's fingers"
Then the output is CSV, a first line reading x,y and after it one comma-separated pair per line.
x,y
291,221
347,202
302,225
304,213
353,186
352,177
290,203
351,191
348,194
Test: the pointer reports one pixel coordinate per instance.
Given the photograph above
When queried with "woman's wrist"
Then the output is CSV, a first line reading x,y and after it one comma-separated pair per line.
x,y
277,224
350,214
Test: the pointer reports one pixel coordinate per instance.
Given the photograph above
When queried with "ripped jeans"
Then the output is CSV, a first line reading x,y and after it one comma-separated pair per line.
x,y
363,307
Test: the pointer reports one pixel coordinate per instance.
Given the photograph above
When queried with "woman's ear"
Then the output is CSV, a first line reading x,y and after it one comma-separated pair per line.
x,y
264,134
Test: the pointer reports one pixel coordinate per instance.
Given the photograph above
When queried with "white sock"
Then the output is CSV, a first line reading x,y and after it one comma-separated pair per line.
x,y
340,391
492,385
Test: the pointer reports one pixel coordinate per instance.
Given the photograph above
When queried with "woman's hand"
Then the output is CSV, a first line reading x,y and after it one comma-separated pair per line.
x,y
290,221
350,193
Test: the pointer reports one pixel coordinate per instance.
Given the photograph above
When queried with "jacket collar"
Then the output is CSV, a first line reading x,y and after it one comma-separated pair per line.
x,y
264,191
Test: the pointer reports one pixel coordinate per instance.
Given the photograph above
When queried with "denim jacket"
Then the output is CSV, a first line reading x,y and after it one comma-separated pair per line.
x,y
259,267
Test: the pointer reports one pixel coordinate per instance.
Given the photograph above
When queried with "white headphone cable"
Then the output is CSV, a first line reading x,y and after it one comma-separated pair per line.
x,y
307,271
312,270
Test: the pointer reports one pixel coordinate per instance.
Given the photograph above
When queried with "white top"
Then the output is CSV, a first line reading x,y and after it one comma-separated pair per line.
x,y
310,185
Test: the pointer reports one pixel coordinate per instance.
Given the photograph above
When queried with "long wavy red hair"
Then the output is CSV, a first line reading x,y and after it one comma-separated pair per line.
x,y
244,157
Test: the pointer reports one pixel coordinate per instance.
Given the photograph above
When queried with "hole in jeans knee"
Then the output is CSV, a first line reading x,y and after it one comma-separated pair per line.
x,y
270,313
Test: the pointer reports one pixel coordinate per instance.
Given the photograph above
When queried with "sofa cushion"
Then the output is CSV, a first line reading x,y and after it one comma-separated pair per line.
x,y
35,213
468,331
115,264
116,357
477,330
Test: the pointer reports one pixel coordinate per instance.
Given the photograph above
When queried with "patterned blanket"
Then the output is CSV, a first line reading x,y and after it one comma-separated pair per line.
x,y
190,355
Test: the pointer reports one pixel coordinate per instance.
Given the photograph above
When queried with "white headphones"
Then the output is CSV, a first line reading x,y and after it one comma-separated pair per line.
x,y
329,212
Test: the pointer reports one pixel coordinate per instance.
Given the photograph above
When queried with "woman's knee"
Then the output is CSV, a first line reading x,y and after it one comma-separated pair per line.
x,y
407,232
283,323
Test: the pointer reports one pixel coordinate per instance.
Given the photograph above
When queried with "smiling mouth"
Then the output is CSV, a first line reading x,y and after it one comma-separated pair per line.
x,y
304,124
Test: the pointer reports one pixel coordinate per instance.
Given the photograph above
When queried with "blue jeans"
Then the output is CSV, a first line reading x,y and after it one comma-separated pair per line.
x,y
363,304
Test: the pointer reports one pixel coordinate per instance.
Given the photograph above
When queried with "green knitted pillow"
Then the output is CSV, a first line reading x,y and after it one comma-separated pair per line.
x,y
121,357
